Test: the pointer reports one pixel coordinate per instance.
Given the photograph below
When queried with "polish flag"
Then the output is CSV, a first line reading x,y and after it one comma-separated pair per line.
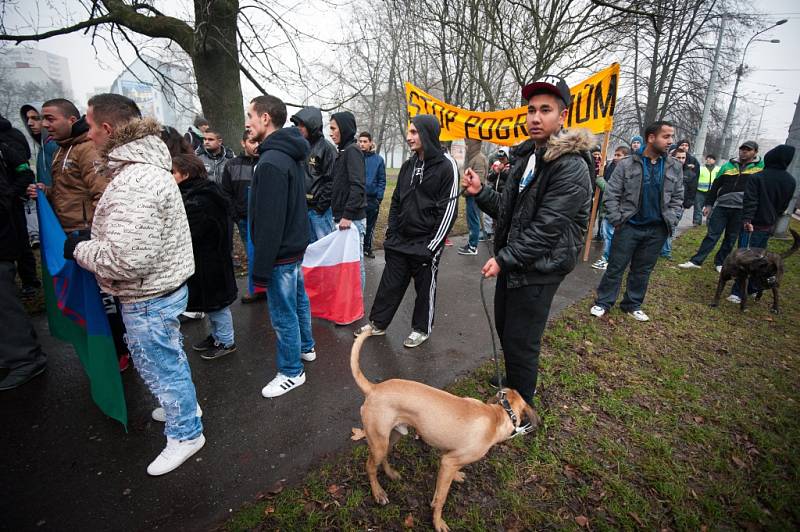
x,y
332,276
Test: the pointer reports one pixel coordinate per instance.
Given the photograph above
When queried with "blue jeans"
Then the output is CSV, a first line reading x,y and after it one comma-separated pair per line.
x,y
242,225
321,225
608,235
290,314
721,219
222,326
666,249
156,344
473,221
699,201
373,208
638,246
756,239
361,225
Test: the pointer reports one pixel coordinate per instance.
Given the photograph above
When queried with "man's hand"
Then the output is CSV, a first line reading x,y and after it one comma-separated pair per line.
x,y
706,211
748,227
75,238
33,189
344,223
491,268
471,182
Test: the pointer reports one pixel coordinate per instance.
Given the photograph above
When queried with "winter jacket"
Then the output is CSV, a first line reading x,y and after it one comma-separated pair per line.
x,y
348,197
76,185
707,176
425,202
213,284
375,170
278,214
319,165
540,230
141,246
728,189
690,176
768,193
215,164
44,146
15,176
236,179
623,194
476,160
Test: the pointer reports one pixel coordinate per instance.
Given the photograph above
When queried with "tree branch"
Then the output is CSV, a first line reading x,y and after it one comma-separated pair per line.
x,y
90,23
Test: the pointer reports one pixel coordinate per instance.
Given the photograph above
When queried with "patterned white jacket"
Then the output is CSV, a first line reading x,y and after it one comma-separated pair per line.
x,y
141,246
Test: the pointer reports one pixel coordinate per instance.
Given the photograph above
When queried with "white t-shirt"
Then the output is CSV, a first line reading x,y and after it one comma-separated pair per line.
x,y
527,175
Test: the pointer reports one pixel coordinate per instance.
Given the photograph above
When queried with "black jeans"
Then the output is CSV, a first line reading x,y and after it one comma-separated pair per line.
x,y
721,219
373,207
638,246
520,317
397,274
20,348
26,263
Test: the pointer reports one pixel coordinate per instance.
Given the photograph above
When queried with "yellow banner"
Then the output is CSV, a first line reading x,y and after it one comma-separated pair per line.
x,y
592,107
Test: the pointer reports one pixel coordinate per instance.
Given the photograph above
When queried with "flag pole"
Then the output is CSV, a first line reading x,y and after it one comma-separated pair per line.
x,y
595,203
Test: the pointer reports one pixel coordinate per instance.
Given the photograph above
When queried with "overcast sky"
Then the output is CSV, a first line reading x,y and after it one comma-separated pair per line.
x,y
774,66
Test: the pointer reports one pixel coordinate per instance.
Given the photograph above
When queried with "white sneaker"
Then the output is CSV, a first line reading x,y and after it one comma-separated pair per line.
x,y
282,384
600,264
688,265
310,356
598,311
174,454
415,339
159,415
370,326
719,269
639,315
734,299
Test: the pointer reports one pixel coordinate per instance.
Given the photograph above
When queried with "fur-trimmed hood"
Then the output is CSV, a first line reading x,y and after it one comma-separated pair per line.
x,y
138,141
573,140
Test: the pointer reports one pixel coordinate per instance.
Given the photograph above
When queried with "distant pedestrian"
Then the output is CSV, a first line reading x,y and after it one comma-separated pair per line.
x,y
707,176
214,154
195,134
44,148
477,161
606,229
375,186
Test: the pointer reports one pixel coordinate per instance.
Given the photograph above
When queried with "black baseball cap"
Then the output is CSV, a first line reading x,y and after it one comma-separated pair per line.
x,y
548,84
753,145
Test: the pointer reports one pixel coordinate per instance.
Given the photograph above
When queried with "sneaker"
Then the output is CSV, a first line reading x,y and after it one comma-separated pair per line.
x,y
482,237
371,326
369,254
639,315
309,356
218,351
282,384
415,339
205,345
194,315
174,454
16,378
124,362
252,298
28,292
598,311
600,264
466,249
734,299
688,265
447,242
718,268
159,415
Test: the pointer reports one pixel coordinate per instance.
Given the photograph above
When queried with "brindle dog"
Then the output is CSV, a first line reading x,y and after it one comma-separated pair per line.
x,y
764,268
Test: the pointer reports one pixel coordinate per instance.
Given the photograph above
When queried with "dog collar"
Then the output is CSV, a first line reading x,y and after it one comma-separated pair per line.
x,y
510,411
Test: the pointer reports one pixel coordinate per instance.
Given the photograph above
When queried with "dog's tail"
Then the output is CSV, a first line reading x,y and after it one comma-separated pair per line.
x,y
795,246
355,352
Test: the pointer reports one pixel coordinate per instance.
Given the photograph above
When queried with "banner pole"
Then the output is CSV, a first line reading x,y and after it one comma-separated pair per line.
x,y
595,202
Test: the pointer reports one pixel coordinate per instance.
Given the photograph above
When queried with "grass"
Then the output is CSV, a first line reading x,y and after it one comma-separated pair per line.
x,y
688,422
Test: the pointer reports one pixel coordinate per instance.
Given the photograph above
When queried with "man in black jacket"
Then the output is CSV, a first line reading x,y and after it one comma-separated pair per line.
x,y
424,208
279,231
20,351
542,216
348,194
319,172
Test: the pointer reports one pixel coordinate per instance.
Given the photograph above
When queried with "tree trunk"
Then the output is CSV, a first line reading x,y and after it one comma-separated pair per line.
x,y
215,58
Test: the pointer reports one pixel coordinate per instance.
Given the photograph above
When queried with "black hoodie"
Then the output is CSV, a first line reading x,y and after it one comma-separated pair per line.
x,y
348,195
768,193
278,215
425,203
319,165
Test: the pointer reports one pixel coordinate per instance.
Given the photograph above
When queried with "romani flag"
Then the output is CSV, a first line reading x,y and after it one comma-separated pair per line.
x,y
332,276
76,315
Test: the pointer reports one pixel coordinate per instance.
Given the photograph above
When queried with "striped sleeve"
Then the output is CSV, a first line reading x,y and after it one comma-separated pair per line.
x,y
450,210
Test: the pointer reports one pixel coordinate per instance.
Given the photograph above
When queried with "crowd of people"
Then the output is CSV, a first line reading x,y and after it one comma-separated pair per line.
x,y
152,213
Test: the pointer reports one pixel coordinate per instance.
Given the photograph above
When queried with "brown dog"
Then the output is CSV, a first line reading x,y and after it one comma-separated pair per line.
x,y
463,428
763,268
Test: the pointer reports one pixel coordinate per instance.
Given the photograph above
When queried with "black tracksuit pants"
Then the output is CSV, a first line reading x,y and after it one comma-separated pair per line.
x,y
520,317
397,274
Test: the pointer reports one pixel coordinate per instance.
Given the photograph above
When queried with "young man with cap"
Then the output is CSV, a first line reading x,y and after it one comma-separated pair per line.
x,y
424,208
542,216
723,205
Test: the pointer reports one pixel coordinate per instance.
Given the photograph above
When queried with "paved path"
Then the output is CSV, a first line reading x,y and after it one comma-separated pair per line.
x,y
68,467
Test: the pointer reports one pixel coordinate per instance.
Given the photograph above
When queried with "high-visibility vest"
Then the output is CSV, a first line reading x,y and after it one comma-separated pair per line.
x,y
706,178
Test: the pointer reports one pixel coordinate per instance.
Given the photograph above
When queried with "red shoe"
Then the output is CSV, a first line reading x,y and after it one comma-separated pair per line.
x,y
124,362
447,242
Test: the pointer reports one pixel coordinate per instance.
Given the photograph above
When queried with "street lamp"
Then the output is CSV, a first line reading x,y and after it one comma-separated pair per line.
x,y
764,106
739,72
